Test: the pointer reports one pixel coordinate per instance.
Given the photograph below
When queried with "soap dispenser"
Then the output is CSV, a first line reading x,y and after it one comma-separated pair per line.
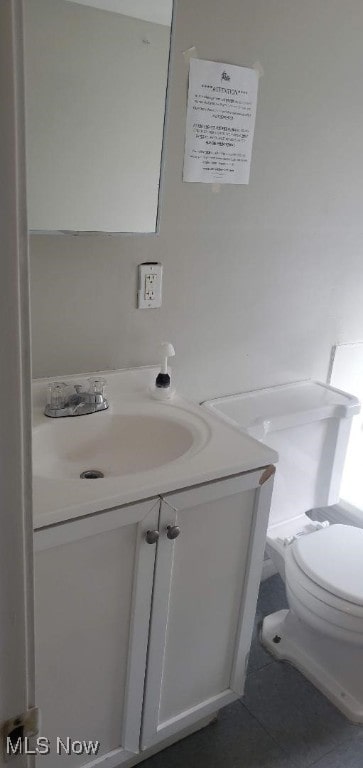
x,y
163,389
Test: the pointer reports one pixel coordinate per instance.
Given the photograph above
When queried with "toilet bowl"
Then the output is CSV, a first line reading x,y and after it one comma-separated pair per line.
x,y
308,423
327,592
322,632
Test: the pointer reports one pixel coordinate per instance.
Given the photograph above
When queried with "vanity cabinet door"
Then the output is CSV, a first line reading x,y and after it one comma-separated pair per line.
x,y
93,585
205,593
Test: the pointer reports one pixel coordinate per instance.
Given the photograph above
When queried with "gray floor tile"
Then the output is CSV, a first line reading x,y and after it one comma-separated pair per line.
x,y
298,717
272,596
282,722
236,740
258,657
344,756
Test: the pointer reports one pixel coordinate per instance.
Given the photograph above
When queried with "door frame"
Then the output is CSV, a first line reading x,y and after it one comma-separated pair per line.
x,y
16,549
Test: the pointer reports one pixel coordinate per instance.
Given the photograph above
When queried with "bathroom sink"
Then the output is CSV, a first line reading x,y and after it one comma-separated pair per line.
x,y
112,444
139,447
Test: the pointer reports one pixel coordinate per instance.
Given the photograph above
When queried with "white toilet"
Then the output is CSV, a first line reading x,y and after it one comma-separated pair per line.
x,y
308,423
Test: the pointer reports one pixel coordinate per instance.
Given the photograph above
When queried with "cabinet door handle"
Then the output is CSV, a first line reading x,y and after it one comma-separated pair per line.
x,y
152,536
172,531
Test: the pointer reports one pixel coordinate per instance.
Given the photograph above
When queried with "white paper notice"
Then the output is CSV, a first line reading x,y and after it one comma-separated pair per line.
x,y
221,114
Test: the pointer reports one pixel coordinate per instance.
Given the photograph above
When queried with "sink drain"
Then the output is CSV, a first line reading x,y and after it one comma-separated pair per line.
x,y
91,474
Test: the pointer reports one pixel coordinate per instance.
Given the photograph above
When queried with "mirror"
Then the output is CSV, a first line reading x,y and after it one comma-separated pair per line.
x,y
95,76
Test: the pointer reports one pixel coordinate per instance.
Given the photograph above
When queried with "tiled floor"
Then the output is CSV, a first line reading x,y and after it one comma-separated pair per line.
x,y
281,722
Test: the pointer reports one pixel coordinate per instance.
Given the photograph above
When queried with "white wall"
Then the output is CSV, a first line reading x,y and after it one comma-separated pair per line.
x,y
260,280
159,11
95,114
347,374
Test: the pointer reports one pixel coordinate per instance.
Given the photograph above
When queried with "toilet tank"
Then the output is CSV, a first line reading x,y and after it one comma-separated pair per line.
x,y
308,424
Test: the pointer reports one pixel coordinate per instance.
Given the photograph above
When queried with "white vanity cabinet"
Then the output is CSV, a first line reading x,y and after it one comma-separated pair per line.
x,y
93,588
136,642
205,593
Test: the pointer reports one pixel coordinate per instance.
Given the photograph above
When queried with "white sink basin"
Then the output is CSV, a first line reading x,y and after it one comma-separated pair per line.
x,y
113,444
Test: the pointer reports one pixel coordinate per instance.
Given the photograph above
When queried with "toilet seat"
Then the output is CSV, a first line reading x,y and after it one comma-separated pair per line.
x,y
323,609
296,576
309,560
333,559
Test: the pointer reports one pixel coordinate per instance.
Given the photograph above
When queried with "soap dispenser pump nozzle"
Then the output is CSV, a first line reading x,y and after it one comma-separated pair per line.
x,y
163,378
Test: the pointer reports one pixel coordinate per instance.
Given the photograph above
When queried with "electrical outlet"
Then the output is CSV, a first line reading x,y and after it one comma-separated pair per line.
x,y
150,282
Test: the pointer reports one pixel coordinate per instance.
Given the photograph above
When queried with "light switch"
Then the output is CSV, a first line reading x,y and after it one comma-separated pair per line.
x,y
150,283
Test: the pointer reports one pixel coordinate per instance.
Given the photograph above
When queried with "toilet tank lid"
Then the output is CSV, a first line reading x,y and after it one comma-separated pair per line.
x,y
333,559
284,406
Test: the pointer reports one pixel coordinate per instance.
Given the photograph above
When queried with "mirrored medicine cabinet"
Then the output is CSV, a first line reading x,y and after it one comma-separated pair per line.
x,y
95,77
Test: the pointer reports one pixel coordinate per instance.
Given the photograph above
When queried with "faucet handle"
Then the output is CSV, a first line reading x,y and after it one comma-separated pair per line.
x,y
57,394
96,386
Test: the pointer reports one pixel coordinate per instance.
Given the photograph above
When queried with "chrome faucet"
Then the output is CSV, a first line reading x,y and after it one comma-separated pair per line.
x,y
79,402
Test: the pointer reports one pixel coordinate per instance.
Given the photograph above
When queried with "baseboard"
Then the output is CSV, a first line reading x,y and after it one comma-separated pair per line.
x,y
339,513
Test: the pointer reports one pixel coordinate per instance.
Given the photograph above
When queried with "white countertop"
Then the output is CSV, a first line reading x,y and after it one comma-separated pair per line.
x,y
222,451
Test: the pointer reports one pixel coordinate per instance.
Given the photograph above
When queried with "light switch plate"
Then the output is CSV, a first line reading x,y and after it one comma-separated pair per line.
x,y
150,284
